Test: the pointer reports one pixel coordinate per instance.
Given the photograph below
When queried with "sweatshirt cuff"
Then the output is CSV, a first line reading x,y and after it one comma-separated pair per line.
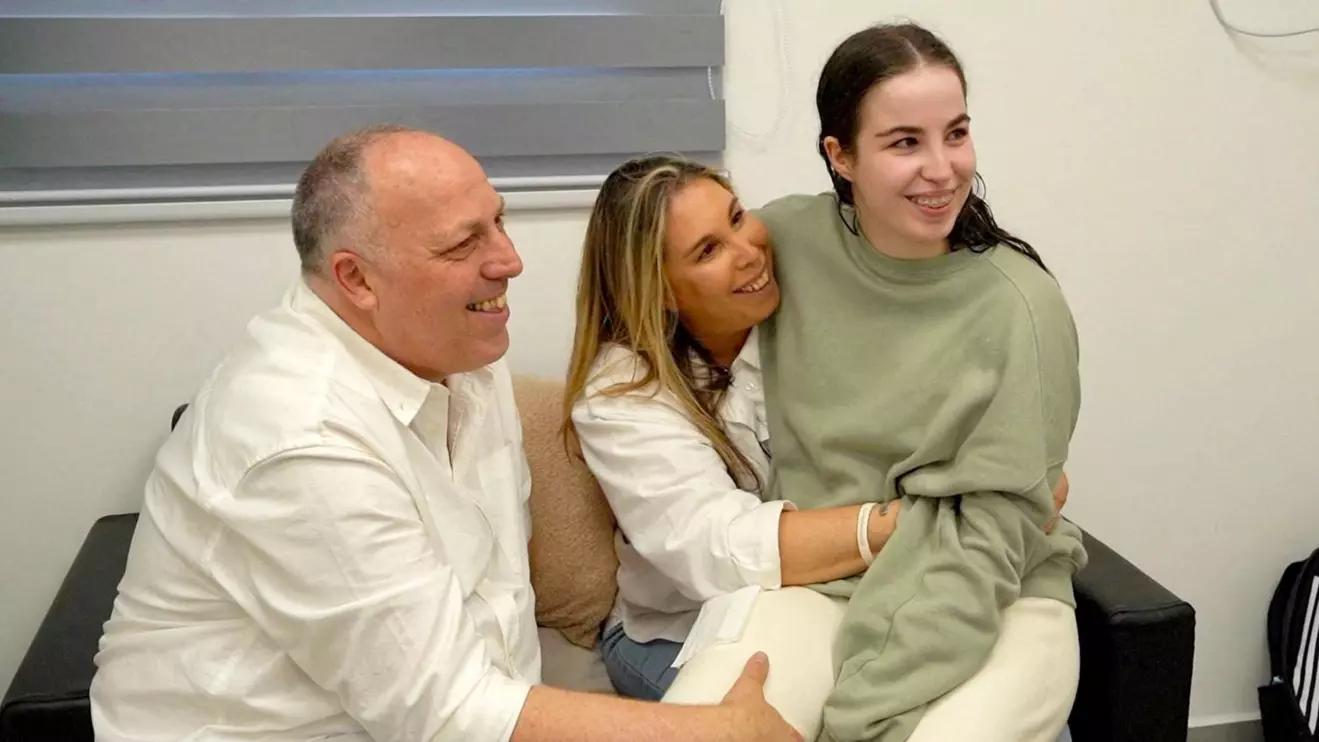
x,y
754,544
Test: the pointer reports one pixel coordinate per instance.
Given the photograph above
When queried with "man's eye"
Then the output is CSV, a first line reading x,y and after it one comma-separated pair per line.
x,y
464,248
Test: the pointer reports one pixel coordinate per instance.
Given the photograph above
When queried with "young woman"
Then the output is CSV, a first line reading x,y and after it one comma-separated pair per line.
x,y
666,402
922,354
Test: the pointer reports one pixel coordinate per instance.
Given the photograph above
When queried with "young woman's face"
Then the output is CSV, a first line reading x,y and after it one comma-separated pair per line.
x,y
913,162
718,260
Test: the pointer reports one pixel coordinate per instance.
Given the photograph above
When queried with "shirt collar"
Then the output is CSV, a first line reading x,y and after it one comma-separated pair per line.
x,y
749,356
402,391
747,359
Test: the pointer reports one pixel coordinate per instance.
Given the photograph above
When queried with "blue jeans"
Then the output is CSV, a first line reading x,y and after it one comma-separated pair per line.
x,y
645,671
638,670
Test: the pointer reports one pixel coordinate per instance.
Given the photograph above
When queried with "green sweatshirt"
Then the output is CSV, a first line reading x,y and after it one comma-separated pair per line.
x,y
950,383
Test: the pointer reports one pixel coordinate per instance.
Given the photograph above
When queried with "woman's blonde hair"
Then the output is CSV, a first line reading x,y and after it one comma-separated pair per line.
x,y
623,298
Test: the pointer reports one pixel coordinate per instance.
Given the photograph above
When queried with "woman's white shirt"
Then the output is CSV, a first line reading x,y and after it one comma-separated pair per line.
x,y
688,531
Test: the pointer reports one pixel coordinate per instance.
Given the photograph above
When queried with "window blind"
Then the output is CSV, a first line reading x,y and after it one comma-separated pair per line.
x,y
160,100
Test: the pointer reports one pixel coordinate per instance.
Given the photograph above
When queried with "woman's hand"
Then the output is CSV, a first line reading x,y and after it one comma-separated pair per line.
x,y
1059,499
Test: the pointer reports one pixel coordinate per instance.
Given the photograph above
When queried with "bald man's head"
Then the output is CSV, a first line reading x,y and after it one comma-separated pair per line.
x,y
335,201
402,234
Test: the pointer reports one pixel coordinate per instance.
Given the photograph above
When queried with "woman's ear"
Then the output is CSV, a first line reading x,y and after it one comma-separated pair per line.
x,y
839,159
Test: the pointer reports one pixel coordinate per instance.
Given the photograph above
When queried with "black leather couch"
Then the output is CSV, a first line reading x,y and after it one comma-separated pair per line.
x,y
1137,640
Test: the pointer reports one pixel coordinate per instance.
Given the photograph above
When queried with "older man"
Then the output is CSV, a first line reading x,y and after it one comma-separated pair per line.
x,y
333,542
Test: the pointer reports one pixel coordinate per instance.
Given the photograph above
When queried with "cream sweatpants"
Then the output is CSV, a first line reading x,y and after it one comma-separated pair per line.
x,y
1023,693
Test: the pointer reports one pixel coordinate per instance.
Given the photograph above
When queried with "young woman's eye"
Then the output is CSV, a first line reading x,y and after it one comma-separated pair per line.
x,y
905,143
706,252
739,216
958,134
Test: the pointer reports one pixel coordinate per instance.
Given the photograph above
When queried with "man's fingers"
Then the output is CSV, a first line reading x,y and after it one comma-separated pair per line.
x,y
756,670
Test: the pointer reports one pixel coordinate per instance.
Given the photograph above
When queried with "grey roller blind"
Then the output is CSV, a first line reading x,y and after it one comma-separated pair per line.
x,y
174,99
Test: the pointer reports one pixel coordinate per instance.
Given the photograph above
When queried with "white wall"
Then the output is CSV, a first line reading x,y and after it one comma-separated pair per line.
x,y
1168,175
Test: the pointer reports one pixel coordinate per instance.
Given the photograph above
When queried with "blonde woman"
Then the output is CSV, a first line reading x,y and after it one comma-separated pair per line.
x,y
666,405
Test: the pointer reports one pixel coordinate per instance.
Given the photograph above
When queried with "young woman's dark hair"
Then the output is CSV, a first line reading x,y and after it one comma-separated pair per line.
x,y
873,56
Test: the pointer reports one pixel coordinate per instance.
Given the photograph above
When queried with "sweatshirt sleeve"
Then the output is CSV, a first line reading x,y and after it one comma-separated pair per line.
x,y
976,492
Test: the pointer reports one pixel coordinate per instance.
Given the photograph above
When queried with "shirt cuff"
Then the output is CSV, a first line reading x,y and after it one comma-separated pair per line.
x,y
753,539
496,705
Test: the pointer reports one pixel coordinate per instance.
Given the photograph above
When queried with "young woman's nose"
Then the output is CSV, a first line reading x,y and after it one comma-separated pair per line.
x,y
938,166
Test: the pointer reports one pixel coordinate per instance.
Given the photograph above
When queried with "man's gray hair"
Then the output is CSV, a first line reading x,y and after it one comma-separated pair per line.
x,y
330,204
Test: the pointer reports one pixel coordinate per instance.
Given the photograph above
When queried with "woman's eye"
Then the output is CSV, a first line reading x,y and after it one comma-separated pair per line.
x,y
905,143
959,134
706,252
739,217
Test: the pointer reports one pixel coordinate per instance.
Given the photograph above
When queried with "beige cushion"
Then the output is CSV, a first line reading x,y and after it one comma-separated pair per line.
x,y
574,569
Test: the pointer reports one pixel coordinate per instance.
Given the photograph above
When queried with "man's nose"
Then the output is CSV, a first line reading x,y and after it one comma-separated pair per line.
x,y
505,263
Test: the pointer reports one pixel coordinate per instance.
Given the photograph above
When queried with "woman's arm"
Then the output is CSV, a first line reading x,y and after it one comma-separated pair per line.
x,y
681,510
674,499
820,545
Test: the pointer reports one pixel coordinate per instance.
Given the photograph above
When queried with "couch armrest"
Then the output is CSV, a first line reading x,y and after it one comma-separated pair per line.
x,y
48,696
1137,647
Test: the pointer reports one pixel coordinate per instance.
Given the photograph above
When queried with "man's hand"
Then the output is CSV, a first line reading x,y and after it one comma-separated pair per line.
x,y
753,718
551,715
1059,500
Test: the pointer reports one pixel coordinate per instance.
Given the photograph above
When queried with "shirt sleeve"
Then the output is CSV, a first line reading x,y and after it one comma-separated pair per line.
x,y
674,498
327,552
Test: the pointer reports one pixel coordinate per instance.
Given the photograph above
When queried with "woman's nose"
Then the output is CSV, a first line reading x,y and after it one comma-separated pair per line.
x,y
938,166
748,252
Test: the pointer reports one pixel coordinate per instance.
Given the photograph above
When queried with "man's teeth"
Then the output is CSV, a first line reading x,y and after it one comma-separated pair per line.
x,y
490,305
933,202
761,281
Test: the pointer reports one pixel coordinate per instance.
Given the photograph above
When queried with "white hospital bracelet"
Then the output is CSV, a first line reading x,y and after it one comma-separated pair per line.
x,y
863,533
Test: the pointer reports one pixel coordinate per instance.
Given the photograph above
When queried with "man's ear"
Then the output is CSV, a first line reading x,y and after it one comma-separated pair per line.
x,y
839,158
351,275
